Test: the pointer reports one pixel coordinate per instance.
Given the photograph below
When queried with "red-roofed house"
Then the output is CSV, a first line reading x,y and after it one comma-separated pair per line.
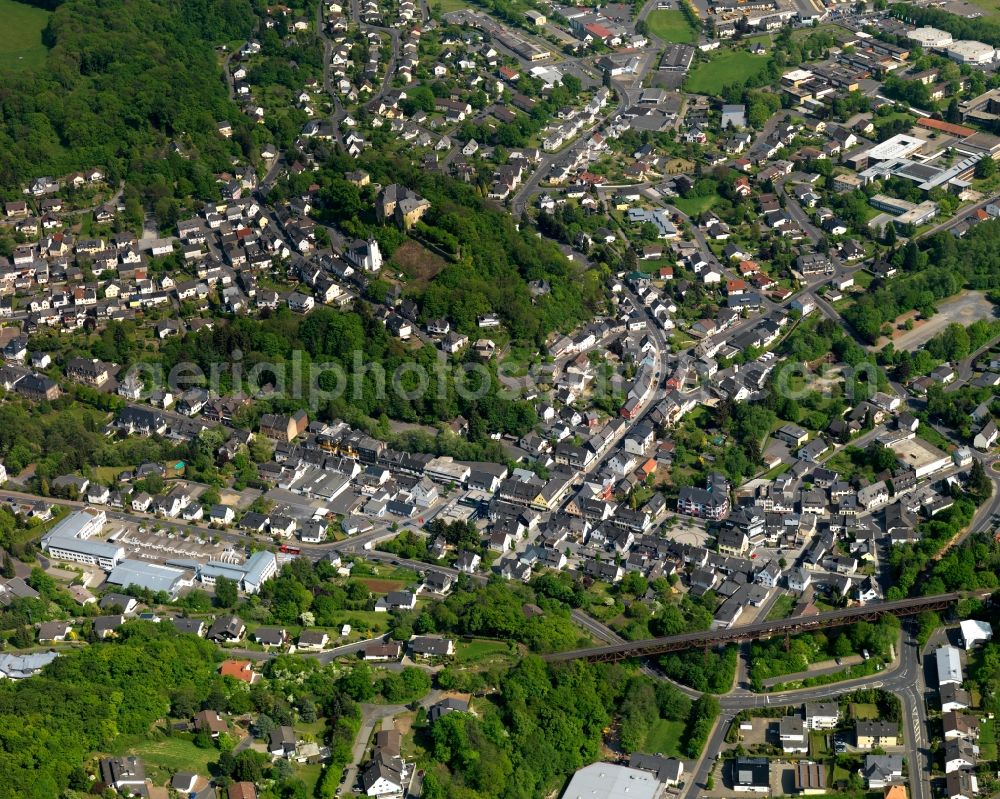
x,y
598,31
593,179
241,670
242,790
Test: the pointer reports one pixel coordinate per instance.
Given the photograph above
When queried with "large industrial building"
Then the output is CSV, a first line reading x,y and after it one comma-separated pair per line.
x,y
930,38
79,538
73,539
970,52
151,576
610,781
249,576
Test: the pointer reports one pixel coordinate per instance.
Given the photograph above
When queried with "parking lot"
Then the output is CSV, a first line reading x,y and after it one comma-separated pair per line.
x,y
146,544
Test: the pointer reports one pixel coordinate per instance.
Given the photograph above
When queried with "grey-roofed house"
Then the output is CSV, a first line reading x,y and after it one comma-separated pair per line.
x,y
450,705
20,667
270,636
192,626
881,771
123,773
53,631
430,646
313,640
281,742
668,770
105,626
226,628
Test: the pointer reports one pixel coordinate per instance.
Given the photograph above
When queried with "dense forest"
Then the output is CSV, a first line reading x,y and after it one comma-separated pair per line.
x,y
123,79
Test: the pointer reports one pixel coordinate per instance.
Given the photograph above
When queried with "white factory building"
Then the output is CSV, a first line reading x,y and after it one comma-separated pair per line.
x,y
930,38
970,52
610,781
249,576
72,539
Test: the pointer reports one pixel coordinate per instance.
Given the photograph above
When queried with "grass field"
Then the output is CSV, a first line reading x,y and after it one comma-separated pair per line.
x,y
671,26
782,608
172,755
415,260
692,206
480,649
817,745
309,773
379,586
988,739
863,711
21,36
726,67
882,121
665,737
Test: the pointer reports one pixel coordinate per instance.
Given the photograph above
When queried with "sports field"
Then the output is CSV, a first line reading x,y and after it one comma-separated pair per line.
x,y
21,35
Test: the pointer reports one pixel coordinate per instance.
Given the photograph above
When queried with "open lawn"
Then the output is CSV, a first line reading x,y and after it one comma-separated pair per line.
x,y
991,8
21,36
480,649
725,68
842,463
693,206
309,773
988,739
671,26
364,624
892,117
104,474
171,755
653,265
863,711
665,737
782,608
817,745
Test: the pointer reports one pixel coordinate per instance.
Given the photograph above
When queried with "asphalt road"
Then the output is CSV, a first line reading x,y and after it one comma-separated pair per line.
x,y
903,678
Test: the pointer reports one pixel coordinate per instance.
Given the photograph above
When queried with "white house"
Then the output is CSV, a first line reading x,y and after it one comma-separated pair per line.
x,y
986,437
